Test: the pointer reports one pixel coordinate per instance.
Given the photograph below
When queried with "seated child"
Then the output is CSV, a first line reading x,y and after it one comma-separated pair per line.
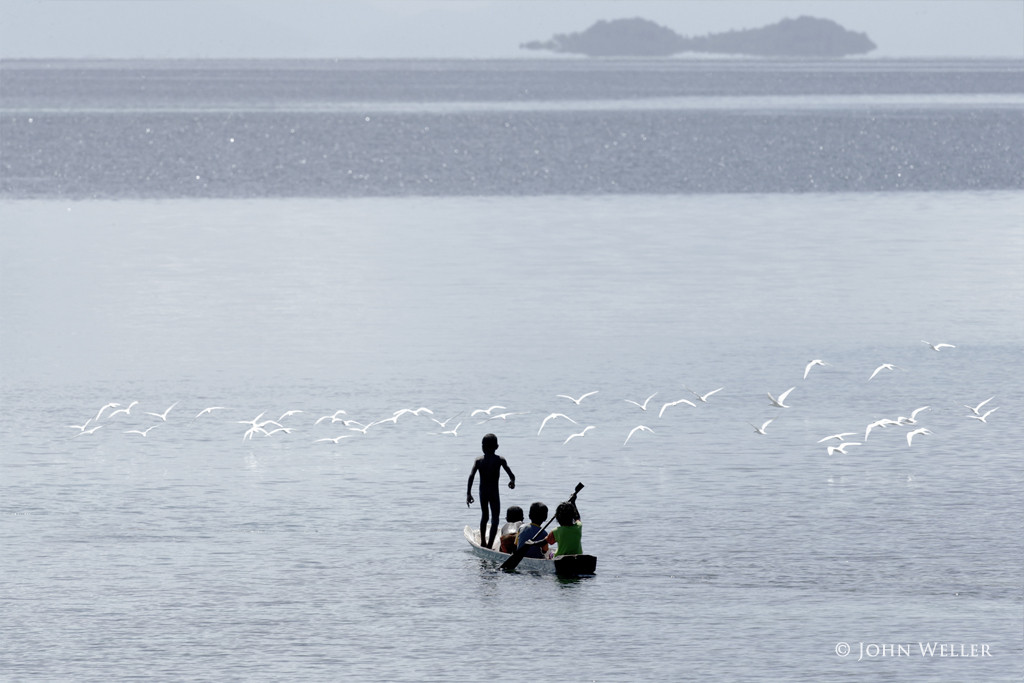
x,y
534,531
569,534
513,522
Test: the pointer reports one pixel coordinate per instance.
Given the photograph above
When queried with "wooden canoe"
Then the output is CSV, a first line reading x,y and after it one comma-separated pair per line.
x,y
566,565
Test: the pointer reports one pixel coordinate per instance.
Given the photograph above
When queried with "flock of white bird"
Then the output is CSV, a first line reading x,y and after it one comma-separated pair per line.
x,y
287,423
902,421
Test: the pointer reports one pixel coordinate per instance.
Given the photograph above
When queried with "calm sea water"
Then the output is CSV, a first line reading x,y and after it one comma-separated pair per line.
x,y
724,554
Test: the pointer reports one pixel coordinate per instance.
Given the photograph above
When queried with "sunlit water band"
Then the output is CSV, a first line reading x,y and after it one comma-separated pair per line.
x,y
781,103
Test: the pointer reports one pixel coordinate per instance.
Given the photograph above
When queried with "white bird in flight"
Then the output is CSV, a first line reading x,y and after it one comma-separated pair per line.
x,y
675,403
361,427
810,365
780,402
583,433
919,430
335,439
90,430
553,416
163,415
579,400
207,411
638,428
488,411
252,421
257,426
126,411
977,409
100,413
143,432
81,427
841,448
760,430
983,418
252,430
703,398
884,422
883,366
409,411
288,413
642,406
503,416
333,418
838,437
903,420
940,345
454,431
444,423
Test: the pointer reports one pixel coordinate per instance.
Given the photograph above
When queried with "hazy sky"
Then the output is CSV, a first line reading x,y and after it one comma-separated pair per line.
x,y
468,28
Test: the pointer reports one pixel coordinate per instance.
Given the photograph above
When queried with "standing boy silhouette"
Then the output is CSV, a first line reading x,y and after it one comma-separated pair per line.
x,y
489,466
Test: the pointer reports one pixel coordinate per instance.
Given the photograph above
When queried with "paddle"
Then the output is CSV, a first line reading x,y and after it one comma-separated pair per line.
x,y
519,553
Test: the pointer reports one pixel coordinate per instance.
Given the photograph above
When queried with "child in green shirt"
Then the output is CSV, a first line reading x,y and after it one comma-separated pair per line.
x,y
569,534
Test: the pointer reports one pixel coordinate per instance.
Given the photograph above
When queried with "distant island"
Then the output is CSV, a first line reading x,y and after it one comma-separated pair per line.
x,y
801,37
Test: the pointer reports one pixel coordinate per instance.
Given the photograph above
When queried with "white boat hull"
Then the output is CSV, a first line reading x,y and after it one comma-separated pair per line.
x,y
567,565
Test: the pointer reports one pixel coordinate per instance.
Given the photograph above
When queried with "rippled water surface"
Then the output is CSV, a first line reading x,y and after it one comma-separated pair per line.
x,y
349,129
724,554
